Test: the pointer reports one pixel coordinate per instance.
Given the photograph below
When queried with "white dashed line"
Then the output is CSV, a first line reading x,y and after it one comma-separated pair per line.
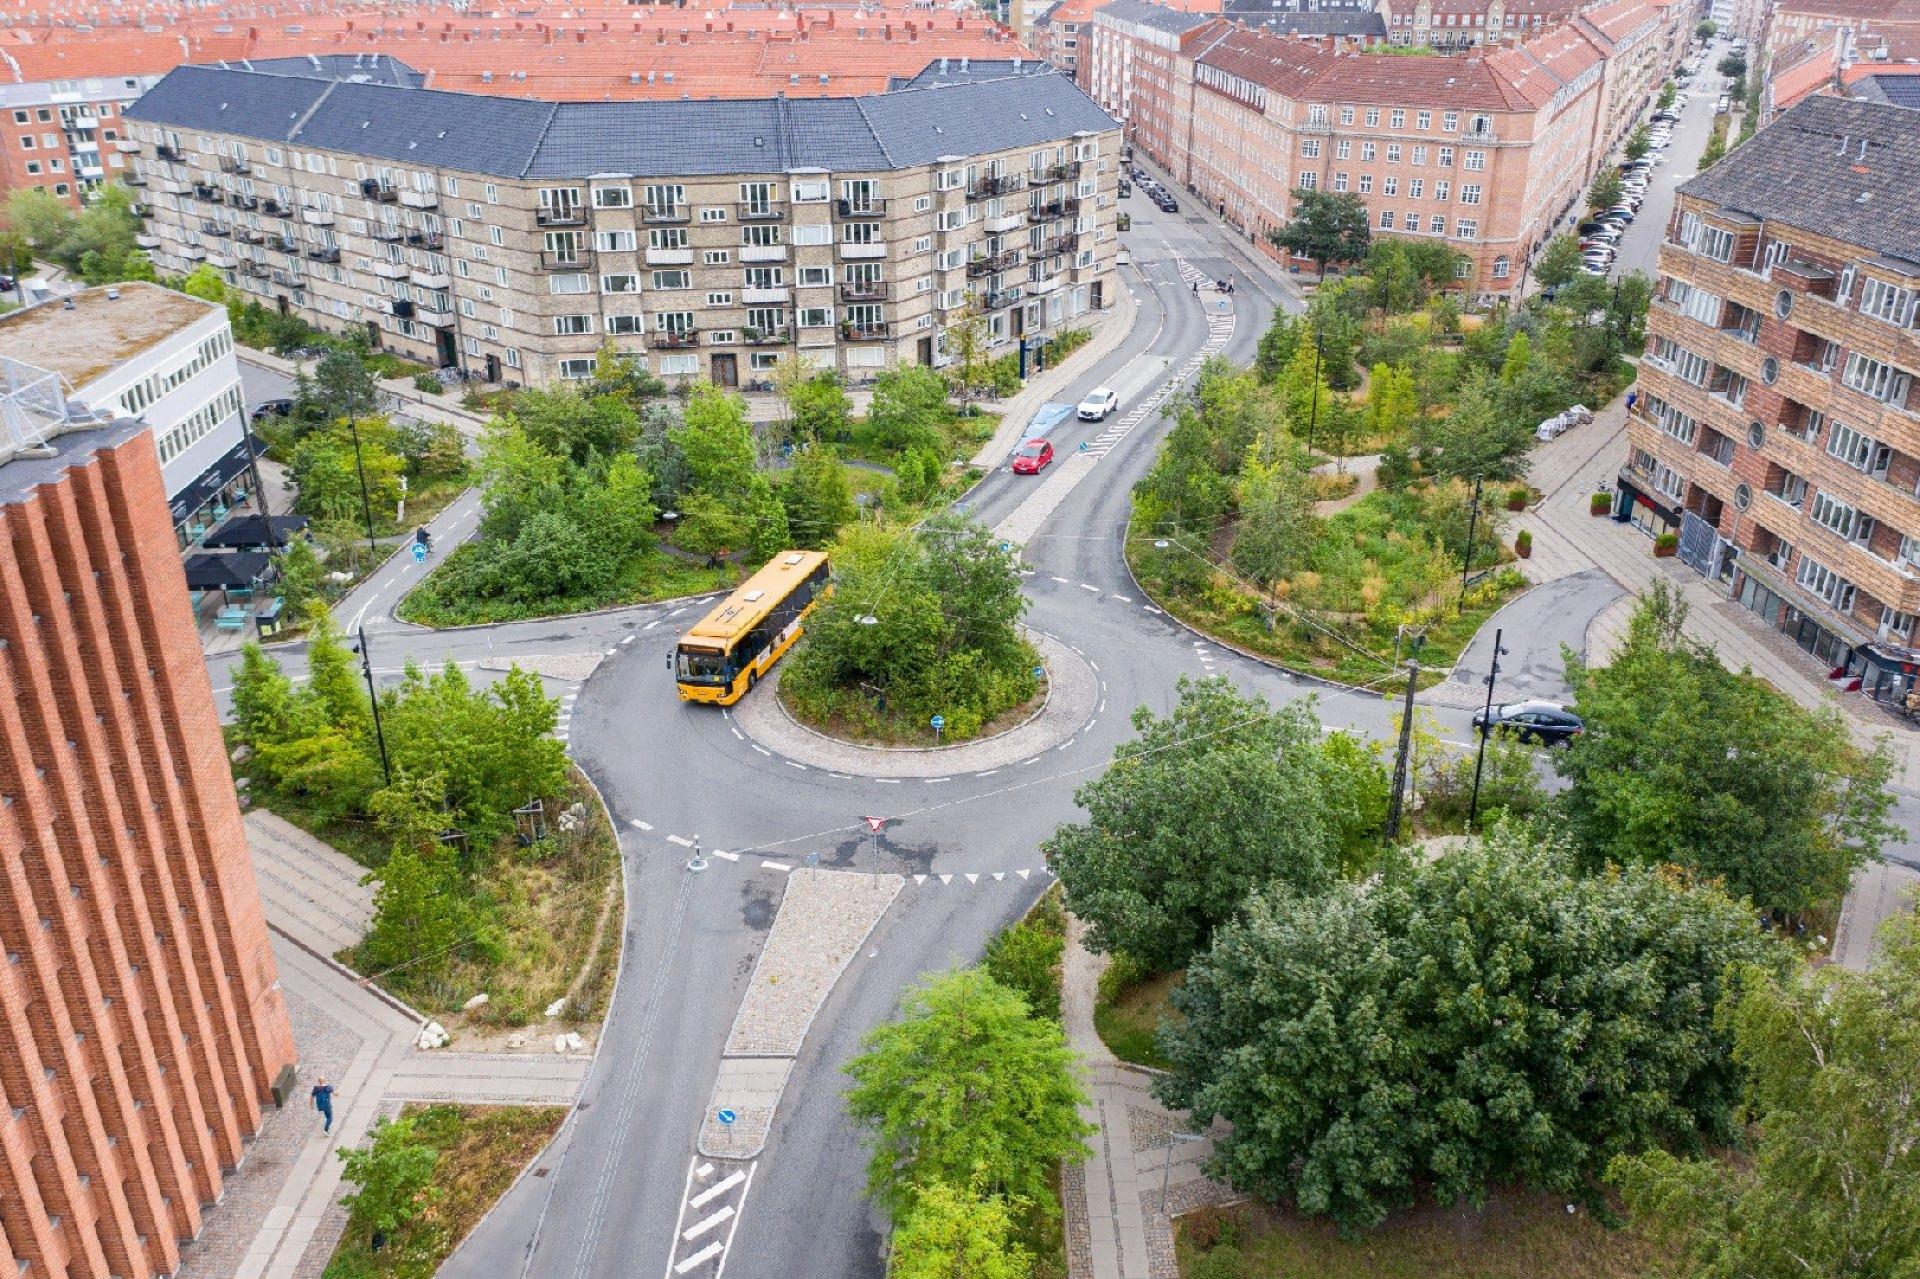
x,y
629,639
699,1228
736,732
1089,586
681,840
717,1189
763,750
790,764
650,625
931,780
888,781
705,1255
732,857
642,825
770,864
1063,745
1124,599
1095,666
1061,580
989,773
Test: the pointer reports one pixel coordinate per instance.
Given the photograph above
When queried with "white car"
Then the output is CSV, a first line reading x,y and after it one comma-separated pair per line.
x,y
1100,401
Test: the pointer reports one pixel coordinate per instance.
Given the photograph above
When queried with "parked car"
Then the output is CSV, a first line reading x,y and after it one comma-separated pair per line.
x,y
1720,107
1547,723
1100,401
272,408
1032,457
1165,203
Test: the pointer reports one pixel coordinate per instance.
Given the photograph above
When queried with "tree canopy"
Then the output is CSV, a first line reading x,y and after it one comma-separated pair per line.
x,y
1484,1020
1223,796
1326,226
1685,762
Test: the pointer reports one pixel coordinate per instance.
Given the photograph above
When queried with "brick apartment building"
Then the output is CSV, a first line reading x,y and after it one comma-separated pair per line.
x,y
709,238
1486,150
1777,425
142,1026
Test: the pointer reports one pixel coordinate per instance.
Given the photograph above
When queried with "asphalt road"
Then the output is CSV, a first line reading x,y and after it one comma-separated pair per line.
x,y
1640,246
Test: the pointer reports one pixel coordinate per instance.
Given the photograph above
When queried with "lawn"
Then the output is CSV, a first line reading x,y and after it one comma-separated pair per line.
x,y
481,1151
853,715
1377,575
1517,1235
646,578
1128,1012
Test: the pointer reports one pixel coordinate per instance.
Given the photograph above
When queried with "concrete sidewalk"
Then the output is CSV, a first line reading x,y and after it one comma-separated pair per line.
x,y
1112,327
1118,1226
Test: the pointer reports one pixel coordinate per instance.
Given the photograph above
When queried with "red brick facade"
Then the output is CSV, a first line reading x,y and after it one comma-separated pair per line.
x,y
141,1019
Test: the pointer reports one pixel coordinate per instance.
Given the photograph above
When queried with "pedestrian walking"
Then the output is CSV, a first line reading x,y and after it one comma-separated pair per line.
x,y
323,1102
1196,288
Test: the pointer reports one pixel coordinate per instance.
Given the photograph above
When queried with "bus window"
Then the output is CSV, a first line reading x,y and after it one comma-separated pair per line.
x,y
703,664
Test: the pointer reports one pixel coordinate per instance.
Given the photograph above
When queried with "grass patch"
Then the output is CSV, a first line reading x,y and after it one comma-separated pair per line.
x,y
1379,570
481,1150
1129,1008
853,715
645,578
1517,1235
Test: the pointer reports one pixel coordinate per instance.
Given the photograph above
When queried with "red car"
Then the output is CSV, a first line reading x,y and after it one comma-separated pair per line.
x,y
1031,457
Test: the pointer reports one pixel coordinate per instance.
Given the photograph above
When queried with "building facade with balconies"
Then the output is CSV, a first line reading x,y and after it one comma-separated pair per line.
x,y
1776,428
707,238
65,137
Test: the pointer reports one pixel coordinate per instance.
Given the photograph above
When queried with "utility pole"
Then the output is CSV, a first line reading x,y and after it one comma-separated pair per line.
x,y
366,503
1398,794
1473,521
373,696
1486,731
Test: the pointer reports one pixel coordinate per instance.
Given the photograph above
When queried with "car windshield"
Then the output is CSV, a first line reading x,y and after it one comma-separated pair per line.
x,y
701,664
1031,448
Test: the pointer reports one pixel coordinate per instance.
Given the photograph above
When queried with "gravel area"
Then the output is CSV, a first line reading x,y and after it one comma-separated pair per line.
x,y
823,919
1074,689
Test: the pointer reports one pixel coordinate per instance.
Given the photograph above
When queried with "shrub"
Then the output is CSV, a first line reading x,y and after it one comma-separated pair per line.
x,y
1523,544
1517,497
1026,957
427,383
1666,542
1600,503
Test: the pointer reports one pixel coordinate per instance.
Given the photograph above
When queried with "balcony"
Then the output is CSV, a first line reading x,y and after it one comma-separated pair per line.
x,y
565,215
317,217
1050,173
147,240
765,211
432,279
204,191
251,203
669,257
579,260
1001,184
173,186
998,298
1047,212
235,164
165,152
1315,126
1060,244
1006,222
389,270
288,280
869,291
135,180
431,315
426,240
215,228
375,189
247,235
866,207
666,212
140,210
763,253
324,253
992,263
385,233
401,307
766,337
222,260
868,332
192,252
273,208
255,270
284,243
420,199
1045,284
856,252
674,339
126,146
764,297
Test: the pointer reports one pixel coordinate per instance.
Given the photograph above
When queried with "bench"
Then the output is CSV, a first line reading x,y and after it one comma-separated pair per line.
x,y
231,619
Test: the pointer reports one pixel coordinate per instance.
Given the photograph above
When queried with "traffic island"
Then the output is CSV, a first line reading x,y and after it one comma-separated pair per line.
x,y
1072,691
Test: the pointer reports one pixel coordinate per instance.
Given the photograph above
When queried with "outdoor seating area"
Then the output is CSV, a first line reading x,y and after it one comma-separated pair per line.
x,y
231,592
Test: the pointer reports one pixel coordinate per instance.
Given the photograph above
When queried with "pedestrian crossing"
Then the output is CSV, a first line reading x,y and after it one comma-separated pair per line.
x,y
710,1207
1220,330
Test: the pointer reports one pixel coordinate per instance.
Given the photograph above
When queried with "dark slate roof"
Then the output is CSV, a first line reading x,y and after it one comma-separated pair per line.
x,y
1896,90
1354,23
958,70
1157,16
1807,169
375,68
514,137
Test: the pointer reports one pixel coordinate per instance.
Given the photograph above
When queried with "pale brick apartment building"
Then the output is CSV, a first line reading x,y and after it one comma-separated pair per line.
x,y
1777,426
142,1027
513,237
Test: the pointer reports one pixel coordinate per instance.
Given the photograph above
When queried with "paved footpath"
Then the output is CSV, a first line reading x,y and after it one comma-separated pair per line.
x,y
1119,1225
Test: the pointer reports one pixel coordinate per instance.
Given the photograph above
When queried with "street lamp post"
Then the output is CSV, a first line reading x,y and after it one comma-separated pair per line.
x,y
366,503
373,697
1400,758
1473,523
1486,730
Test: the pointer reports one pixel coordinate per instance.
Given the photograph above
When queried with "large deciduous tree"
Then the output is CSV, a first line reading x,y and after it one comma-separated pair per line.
x,y
1686,762
1487,1019
1326,226
953,1233
1833,1187
1221,797
1559,262
967,1088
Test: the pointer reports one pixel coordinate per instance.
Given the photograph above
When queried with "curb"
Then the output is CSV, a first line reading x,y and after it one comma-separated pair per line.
x,y
532,1161
1116,323
549,617
367,984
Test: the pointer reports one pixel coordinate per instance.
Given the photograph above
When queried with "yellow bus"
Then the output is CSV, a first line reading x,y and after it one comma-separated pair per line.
x,y
730,648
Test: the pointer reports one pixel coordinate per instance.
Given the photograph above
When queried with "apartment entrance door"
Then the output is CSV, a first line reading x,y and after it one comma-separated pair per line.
x,y
443,343
926,351
493,368
726,370
373,334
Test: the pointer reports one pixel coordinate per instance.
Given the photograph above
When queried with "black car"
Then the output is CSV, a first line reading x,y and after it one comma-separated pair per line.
x,y
1166,203
1547,723
272,408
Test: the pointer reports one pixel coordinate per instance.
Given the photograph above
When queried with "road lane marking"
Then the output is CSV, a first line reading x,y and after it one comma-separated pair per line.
x,y
650,625
681,840
790,764
717,1189
714,1222
888,781
770,864
1089,586
731,857
931,780
1124,599
763,750
642,825
1061,580
706,1254
989,773
736,732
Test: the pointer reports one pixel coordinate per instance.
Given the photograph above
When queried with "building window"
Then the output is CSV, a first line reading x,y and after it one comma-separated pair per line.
x,y
572,325
1342,150
613,241
1390,186
1450,121
672,279
1346,115
1437,225
624,325
613,197
1423,120
1476,161
1823,583
1340,181
1386,219
577,368
1441,190
1366,184
1309,180
1398,120
1416,189
1881,381
619,284
1466,228
1469,193
1310,148
1887,302
1373,117
1393,153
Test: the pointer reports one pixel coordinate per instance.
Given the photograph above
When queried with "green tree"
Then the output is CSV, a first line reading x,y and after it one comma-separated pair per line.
x,y
1277,345
1833,1187
965,339
1606,190
265,706
333,678
1026,957
1519,355
767,532
1277,528
1639,142
393,1174
1221,797
517,479
1705,28
41,217
327,474
1478,438
1559,261
1392,403
300,576
952,1233
343,384
581,428
717,441
817,406
1733,66
908,408
1669,94
623,376
206,282
818,497
1686,762
419,914
1326,226
1489,1019
966,1088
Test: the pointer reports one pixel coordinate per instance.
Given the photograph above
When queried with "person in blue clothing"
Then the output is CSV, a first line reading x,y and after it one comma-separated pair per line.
x,y
323,1102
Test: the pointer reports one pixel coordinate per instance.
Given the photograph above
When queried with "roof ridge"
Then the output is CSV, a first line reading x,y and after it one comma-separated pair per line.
x,y
293,130
860,105
533,152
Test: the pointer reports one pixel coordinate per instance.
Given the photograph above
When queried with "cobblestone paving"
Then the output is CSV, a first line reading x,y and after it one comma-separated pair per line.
x,y
570,666
823,918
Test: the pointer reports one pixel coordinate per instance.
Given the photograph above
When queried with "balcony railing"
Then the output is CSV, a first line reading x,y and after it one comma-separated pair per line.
x,y
1051,173
388,234
1047,212
578,260
402,308
257,270
316,217
875,331
1060,244
134,180
987,188
205,191
420,199
273,208
247,235
867,207
992,263
234,164
763,211
874,291
998,298
214,228
667,212
766,337
251,203
565,215
426,240
284,243
165,152
674,339
375,189
288,280
323,253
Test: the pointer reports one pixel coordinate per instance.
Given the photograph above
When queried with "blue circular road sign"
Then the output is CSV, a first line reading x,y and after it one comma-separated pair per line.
x,y
726,1117
939,721
419,552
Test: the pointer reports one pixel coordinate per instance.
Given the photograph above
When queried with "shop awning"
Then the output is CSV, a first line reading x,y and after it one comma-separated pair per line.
x,y
254,532
210,571
225,469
